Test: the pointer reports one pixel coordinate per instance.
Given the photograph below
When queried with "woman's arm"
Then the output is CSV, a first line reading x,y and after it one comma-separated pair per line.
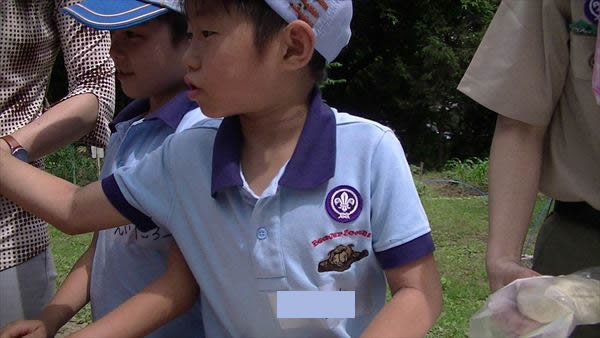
x,y
64,123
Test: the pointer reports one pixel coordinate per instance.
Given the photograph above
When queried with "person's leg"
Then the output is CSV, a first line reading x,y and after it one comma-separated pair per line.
x,y
26,288
11,308
564,246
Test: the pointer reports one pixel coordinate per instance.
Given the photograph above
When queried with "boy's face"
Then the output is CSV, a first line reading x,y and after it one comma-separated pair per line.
x,y
148,63
226,75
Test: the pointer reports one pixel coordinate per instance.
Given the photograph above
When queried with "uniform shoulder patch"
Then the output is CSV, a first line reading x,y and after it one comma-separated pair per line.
x,y
583,27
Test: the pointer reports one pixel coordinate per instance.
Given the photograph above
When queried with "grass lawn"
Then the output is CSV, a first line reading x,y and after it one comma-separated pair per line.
x,y
459,227
66,250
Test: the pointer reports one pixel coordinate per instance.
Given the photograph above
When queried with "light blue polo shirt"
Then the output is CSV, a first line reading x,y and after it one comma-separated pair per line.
x,y
127,260
340,211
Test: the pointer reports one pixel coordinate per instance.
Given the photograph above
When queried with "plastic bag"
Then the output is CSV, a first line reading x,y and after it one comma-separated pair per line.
x,y
543,306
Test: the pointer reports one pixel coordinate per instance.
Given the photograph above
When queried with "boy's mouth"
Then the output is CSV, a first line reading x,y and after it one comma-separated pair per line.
x,y
193,91
189,84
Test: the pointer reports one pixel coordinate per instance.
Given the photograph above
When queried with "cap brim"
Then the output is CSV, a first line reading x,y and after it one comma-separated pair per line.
x,y
109,15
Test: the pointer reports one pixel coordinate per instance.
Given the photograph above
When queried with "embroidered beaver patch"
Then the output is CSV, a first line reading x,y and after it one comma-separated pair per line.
x,y
341,258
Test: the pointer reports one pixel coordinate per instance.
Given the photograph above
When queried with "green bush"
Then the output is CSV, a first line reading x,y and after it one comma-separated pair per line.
x,y
72,163
421,188
473,171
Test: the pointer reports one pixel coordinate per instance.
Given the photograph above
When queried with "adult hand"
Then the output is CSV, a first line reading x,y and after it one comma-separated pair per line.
x,y
26,329
503,271
510,321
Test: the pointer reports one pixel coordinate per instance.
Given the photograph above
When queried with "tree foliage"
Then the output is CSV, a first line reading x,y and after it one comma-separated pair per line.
x,y
402,67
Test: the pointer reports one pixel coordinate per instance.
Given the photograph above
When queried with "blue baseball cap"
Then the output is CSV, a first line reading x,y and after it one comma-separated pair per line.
x,y
118,14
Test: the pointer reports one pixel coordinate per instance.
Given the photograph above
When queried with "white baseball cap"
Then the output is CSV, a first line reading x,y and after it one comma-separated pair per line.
x,y
330,20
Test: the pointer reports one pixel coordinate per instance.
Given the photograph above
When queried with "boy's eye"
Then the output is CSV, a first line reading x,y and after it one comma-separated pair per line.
x,y
131,35
189,35
207,33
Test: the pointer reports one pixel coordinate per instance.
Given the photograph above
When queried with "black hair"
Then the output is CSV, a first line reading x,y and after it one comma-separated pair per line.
x,y
266,23
177,25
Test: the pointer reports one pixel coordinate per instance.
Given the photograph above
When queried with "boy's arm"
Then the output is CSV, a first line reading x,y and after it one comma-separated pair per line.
x,y
403,246
416,302
163,300
73,294
70,208
70,298
515,164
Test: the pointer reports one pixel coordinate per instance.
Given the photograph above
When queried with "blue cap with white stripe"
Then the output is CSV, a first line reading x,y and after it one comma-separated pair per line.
x,y
118,14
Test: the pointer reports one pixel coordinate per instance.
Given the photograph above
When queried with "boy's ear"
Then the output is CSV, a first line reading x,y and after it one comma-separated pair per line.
x,y
298,43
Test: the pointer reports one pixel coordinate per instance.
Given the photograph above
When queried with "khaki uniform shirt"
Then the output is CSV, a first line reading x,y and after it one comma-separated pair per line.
x,y
535,65
32,32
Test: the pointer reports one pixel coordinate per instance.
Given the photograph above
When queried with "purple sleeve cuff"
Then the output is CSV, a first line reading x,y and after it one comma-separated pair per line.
x,y
407,252
116,198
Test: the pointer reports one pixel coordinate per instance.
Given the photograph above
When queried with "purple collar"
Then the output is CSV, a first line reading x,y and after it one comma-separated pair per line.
x,y
312,163
170,113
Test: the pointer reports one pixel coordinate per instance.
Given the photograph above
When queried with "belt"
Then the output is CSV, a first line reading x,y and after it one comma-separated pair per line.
x,y
580,212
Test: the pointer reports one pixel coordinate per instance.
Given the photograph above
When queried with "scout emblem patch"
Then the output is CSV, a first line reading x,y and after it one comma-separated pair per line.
x,y
343,203
588,27
592,10
340,258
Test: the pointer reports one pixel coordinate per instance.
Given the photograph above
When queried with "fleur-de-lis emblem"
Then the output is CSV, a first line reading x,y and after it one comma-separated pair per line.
x,y
592,10
344,202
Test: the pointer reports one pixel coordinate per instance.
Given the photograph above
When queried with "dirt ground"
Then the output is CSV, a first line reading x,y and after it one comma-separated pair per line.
x,y
453,190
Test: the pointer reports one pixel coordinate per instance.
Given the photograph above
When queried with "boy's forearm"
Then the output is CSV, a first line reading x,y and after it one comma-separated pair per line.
x,y
137,317
407,314
160,302
416,302
68,207
44,195
72,295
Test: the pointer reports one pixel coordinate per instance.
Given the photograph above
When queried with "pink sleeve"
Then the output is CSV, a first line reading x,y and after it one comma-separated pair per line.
x,y
596,75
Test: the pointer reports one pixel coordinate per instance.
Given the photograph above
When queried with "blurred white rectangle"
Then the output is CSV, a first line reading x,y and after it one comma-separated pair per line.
x,y
315,304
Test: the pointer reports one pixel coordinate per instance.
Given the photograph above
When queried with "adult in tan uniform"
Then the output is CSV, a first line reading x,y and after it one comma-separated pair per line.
x,y
534,68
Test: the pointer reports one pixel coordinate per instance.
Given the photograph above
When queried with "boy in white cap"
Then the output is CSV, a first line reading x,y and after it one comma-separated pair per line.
x,y
297,197
148,42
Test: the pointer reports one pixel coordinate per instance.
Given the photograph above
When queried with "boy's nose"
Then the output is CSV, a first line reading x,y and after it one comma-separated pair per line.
x,y
191,60
115,51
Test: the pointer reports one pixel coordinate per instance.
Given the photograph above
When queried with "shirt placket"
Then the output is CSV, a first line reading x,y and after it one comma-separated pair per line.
x,y
267,250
